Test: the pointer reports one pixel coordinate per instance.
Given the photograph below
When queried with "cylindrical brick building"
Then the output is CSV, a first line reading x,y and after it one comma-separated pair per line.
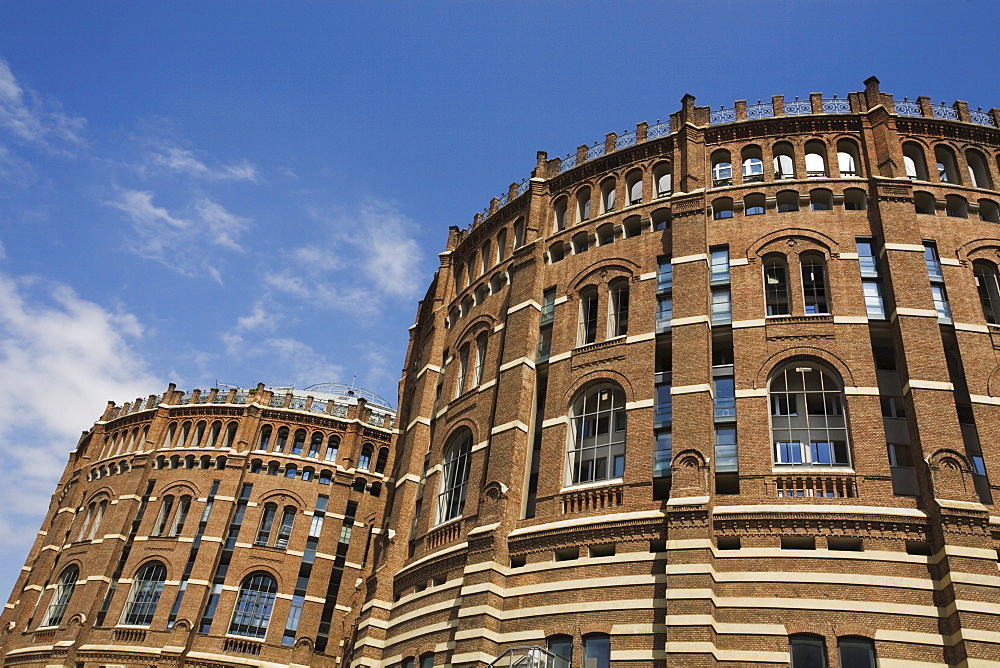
x,y
722,391
226,528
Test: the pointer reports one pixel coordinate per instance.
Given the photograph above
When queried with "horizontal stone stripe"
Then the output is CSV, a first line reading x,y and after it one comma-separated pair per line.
x,y
804,508
684,259
585,521
742,656
913,248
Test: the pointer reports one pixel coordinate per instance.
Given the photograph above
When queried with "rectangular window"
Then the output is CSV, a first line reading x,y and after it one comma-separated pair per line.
x,y
874,304
285,529
719,264
477,377
664,403
588,318
548,305
722,313
663,454
725,397
664,312
544,344
618,310
932,262
664,275
814,285
463,369
726,455
788,452
941,304
867,258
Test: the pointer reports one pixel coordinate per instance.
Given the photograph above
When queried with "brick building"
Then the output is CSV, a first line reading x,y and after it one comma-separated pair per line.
x,y
207,529
722,391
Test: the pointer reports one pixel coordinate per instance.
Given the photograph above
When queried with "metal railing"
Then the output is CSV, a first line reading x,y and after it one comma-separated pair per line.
x,y
529,657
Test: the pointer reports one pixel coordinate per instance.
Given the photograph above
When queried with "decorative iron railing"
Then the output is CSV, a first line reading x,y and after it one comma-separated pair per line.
x,y
722,116
907,108
569,162
760,110
836,105
657,130
981,117
798,107
944,111
595,151
626,140
523,188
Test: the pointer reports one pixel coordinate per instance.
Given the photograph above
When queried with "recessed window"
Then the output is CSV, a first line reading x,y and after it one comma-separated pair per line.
x,y
662,179
787,200
728,542
914,162
784,163
597,439
722,169
608,195
144,595
798,542
988,285
753,205
807,651
633,184
722,208
808,424
454,476
844,544
753,164
815,159
254,605
847,158
979,173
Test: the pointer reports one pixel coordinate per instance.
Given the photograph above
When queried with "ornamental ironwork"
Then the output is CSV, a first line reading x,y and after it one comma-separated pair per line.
x,y
626,140
721,116
907,108
944,111
502,200
569,162
981,117
523,188
760,110
660,129
595,151
798,107
836,105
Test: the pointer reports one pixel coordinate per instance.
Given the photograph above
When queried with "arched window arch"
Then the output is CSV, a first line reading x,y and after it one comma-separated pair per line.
x,y
254,605
606,234
291,471
597,438
332,445
946,167
814,291
315,443
375,489
583,204
166,505
459,277
556,252
185,430
788,200
199,434
979,172
299,442
484,257
482,340
848,158
753,164
753,204
559,222
815,159
923,202
308,473
365,461
633,184
519,233
820,199
213,434
279,443
470,273
581,242
175,461
189,462
988,211
856,652
807,651
206,462
325,477
380,462
618,307
855,199
808,422
956,206
988,285
285,527
587,330
272,467
498,282
265,437
256,465
60,596
466,305
360,484
609,188
722,168
631,227
784,161
914,161
662,179
230,437
722,207
501,245
144,595
454,476
776,285
482,292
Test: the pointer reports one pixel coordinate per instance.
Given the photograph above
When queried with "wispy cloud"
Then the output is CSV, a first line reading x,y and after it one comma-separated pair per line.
x,y
29,119
178,240
63,358
188,162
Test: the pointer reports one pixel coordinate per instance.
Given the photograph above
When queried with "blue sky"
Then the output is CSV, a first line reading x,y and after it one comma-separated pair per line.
x,y
234,192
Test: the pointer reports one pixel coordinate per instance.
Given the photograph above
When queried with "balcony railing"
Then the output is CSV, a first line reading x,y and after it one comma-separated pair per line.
x,y
592,499
816,486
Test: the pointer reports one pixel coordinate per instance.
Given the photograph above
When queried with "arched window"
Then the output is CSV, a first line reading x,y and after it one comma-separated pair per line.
x,y
608,193
618,308
213,434
979,173
308,473
753,204
272,467
947,171
605,234
266,524
820,199
814,294
189,462
722,168
988,284
466,305
380,462
256,465
180,517
171,430
631,227
206,462
501,245
788,200
856,652
161,519
581,242
855,199
360,484
175,461
988,211
597,650
454,476
60,597
776,285
815,159
660,221
227,442
556,252
587,330
365,462
459,278
753,164
561,646
923,202
254,605
722,207
559,223
484,257
914,161
956,206
784,162
279,443
185,430
847,158
662,178
375,489
477,373
597,439
808,425
265,437
299,442
807,651
498,282
315,443
325,477
519,233
633,183
144,595
482,292
583,205
460,380
199,433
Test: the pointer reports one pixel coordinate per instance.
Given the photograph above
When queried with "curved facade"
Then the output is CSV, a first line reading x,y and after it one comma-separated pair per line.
x,y
207,529
719,391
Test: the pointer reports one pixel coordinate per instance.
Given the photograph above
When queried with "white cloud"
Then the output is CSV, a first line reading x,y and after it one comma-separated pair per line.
x,y
24,115
180,241
187,162
62,358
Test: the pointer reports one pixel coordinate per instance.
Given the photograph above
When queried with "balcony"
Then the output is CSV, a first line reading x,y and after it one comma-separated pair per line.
x,y
592,499
796,485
